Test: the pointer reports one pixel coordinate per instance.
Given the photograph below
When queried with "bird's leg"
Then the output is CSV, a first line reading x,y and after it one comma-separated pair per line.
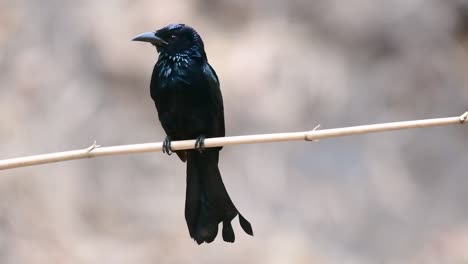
x,y
200,143
166,147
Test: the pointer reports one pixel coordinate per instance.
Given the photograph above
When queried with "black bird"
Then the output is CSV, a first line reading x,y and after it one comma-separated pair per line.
x,y
185,89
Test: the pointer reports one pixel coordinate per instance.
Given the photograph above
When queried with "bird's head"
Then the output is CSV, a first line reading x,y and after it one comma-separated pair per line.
x,y
174,40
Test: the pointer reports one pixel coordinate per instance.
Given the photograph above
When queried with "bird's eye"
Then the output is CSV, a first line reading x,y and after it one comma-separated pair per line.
x,y
173,37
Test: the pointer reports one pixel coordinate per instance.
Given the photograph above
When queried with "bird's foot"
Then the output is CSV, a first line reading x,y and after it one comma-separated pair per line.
x,y
166,147
200,143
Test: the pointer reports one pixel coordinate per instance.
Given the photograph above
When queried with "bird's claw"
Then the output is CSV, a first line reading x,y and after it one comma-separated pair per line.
x,y
166,147
200,143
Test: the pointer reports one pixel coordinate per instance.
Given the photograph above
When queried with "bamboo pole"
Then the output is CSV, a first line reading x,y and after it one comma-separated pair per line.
x,y
313,135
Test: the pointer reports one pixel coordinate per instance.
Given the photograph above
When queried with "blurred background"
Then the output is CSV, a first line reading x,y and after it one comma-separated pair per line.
x,y
69,75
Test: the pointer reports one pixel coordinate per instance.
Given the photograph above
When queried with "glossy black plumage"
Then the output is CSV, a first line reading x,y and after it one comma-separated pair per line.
x,y
186,92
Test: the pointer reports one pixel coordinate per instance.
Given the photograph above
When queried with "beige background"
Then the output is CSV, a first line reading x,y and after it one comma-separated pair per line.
x,y
69,75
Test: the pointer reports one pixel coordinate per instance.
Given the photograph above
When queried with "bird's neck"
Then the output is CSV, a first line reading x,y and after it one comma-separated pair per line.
x,y
177,58
175,66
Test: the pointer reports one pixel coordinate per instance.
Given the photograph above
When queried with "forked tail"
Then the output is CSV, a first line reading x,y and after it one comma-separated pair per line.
x,y
207,201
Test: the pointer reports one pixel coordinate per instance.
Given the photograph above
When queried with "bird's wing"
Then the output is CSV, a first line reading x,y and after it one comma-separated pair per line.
x,y
213,83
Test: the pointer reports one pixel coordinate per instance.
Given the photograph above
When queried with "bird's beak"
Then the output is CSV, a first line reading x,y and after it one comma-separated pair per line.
x,y
149,37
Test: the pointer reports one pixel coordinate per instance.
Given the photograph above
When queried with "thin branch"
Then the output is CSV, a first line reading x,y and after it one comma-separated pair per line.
x,y
313,135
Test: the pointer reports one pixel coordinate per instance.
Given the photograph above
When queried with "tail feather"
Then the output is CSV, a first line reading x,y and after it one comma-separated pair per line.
x,y
245,225
228,232
207,201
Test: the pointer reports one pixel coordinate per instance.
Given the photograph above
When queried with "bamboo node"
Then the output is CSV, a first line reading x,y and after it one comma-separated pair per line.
x,y
91,148
463,118
308,137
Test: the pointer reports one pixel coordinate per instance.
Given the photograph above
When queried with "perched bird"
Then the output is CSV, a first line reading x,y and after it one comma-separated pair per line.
x,y
185,89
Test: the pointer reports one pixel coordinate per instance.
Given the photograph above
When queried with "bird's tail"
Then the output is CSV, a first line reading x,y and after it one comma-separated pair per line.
x,y
207,201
